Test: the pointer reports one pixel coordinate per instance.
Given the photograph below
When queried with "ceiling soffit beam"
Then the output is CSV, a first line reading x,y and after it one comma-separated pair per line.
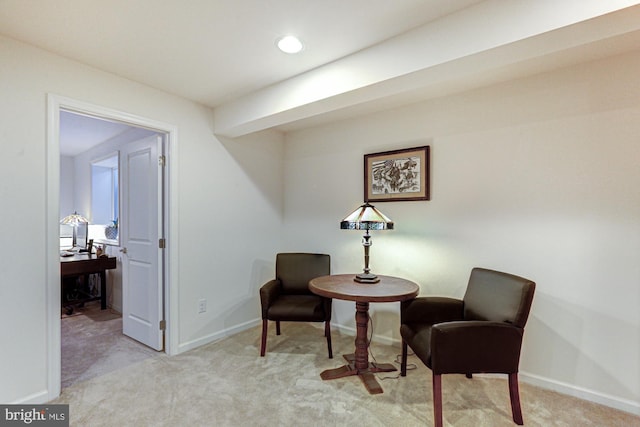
x,y
490,35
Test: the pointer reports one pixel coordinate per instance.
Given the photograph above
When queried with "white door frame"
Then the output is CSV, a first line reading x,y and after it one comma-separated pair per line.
x,y
52,213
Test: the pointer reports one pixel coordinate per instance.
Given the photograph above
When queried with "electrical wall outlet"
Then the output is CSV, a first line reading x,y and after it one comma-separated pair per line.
x,y
202,306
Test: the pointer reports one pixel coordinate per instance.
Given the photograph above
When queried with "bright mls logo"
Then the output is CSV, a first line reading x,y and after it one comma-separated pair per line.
x,y
37,415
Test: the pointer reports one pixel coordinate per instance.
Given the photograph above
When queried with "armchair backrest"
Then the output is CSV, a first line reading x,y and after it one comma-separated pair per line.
x,y
496,296
294,270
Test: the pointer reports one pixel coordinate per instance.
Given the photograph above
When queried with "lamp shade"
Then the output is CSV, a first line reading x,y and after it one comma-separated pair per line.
x,y
366,217
73,219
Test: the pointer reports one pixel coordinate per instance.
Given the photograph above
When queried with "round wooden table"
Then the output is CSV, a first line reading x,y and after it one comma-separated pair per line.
x,y
342,286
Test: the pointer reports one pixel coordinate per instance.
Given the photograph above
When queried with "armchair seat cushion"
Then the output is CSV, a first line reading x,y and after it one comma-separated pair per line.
x,y
418,337
302,308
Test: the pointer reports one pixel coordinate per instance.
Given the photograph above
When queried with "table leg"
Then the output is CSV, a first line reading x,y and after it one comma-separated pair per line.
x,y
362,343
358,363
103,290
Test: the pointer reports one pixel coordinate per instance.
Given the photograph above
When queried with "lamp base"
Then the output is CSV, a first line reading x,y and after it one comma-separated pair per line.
x,y
366,278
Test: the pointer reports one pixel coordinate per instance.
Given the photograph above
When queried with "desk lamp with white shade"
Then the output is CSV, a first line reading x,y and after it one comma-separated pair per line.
x,y
75,220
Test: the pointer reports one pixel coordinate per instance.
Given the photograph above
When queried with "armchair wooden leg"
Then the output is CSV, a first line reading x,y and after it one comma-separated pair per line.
x,y
403,361
263,345
437,400
514,394
468,375
327,333
277,327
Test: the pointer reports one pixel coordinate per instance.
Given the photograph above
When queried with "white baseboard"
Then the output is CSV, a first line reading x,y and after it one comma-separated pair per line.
x,y
38,398
190,345
347,330
581,393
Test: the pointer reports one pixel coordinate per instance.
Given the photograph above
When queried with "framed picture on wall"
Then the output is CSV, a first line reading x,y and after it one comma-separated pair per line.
x,y
398,175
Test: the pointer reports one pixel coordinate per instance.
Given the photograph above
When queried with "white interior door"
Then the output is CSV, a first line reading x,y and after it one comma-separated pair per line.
x,y
141,229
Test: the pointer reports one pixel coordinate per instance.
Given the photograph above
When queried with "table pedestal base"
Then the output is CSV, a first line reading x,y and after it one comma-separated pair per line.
x,y
366,375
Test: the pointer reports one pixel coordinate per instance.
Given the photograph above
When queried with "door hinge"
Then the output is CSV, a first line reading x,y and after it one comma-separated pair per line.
x,y
162,243
163,325
162,160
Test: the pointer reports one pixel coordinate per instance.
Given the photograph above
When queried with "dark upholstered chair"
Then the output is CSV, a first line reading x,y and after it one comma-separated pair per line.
x,y
288,298
481,333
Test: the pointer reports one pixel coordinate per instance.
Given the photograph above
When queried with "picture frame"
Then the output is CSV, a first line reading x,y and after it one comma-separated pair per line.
x,y
398,175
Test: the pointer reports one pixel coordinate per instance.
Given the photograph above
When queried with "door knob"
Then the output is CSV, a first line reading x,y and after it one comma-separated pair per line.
x,y
123,250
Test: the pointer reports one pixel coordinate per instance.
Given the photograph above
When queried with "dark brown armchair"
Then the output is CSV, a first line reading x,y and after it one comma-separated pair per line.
x,y
287,297
481,333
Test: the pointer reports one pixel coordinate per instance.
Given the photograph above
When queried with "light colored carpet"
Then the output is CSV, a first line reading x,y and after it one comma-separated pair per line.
x,y
227,383
93,344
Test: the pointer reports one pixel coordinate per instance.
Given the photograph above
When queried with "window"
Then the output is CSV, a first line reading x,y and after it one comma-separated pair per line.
x,y
105,196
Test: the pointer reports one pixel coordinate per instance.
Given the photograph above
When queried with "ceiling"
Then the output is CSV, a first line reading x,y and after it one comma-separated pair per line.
x,y
360,55
211,51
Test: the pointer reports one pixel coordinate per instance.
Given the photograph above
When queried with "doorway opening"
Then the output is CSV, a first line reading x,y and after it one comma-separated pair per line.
x,y
82,140
92,337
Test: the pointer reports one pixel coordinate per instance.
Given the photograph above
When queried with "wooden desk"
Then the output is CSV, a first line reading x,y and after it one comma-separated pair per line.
x,y
342,286
85,264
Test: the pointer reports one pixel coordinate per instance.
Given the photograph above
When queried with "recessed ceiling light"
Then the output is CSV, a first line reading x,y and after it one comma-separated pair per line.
x,y
289,44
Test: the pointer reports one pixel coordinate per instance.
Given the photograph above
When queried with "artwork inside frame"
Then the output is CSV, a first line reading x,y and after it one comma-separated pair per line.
x,y
399,175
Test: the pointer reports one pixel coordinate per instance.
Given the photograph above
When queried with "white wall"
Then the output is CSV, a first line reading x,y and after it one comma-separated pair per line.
x,y
538,177
222,253
66,185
